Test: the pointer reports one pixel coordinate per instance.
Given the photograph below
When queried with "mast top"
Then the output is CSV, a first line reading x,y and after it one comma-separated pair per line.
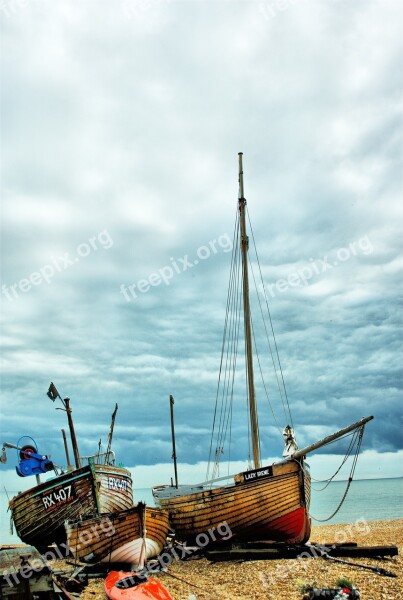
x,y
241,190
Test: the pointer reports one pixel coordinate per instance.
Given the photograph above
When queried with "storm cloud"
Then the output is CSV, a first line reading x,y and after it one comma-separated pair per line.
x,y
121,127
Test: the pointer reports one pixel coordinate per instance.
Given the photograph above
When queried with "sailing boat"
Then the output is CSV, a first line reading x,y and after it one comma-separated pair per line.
x,y
266,502
96,485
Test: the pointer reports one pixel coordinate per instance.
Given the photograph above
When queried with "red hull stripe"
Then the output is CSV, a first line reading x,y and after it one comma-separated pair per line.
x,y
291,526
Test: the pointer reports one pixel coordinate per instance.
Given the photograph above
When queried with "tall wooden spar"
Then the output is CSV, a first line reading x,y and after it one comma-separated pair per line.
x,y
254,425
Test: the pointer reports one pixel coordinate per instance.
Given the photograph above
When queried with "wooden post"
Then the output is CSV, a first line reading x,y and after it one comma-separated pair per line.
x,y
66,449
95,489
171,404
108,449
72,433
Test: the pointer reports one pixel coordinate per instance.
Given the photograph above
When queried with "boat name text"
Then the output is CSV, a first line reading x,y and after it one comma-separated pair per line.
x,y
258,474
58,496
116,483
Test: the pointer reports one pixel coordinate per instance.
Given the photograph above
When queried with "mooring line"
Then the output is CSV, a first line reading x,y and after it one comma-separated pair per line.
x,y
377,570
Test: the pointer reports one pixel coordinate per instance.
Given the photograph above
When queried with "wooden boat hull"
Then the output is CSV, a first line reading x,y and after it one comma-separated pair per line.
x,y
40,512
147,588
274,507
131,536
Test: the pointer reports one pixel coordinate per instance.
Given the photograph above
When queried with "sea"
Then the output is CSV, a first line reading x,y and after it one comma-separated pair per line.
x,y
367,500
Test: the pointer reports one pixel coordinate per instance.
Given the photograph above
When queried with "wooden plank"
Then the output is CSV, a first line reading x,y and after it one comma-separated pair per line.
x,y
276,553
12,557
265,544
364,551
251,554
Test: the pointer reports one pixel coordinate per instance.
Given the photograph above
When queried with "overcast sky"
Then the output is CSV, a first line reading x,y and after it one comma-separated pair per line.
x,y
121,124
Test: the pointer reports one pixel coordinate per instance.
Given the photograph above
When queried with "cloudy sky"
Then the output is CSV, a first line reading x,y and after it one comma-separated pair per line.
x,y
121,125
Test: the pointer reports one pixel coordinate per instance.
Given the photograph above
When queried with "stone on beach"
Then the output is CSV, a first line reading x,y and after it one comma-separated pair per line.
x,y
278,579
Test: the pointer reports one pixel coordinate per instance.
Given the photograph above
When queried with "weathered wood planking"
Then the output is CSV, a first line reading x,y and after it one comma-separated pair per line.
x,y
111,535
40,512
273,508
115,488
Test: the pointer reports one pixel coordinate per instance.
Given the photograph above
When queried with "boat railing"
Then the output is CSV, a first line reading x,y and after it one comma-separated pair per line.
x,y
170,491
101,458
211,482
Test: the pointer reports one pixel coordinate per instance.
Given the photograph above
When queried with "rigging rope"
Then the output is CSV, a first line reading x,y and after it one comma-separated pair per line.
x,y
233,355
272,358
350,479
230,364
353,435
268,341
232,283
222,419
271,323
377,570
263,381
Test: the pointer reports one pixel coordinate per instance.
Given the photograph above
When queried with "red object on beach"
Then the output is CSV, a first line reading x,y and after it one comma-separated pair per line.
x,y
121,585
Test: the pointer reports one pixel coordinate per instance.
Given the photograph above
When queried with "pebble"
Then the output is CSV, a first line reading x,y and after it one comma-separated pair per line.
x,y
199,579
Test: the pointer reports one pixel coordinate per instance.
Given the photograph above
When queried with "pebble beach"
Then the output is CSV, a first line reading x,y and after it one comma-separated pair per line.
x,y
200,579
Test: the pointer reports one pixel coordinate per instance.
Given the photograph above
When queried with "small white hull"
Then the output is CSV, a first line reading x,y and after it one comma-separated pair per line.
x,y
135,552
130,536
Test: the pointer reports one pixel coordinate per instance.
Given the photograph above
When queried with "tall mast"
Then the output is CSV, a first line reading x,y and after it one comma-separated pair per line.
x,y
247,322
